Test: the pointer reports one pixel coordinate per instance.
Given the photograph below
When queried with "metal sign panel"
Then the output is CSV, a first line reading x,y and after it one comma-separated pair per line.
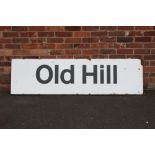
x,y
76,76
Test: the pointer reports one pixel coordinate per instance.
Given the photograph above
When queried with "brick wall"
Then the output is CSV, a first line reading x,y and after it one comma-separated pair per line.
x,y
77,42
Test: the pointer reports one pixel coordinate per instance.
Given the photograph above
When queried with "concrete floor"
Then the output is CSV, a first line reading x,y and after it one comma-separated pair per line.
x,y
77,112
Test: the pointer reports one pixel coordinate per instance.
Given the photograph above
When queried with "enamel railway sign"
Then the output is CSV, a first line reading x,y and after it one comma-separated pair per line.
x,y
76,76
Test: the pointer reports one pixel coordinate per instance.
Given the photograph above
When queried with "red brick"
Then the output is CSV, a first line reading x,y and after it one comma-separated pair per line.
x,y
30,57
134,45
5,52
9,58
142,39
81,34
153,39
108,51
37,28
39,52
32,52
117,33
135,56
46,46
146,75
152,51
48,57
90,28
124,39
63,34
19,28
81,46
10,34
20,52
149,33
5,28
152,81
119,45
101,45
29,46
28,34
1,58
108,39
117,56
135,33
82,57
55,40
103,56
125,51
152,63
98,34
20,40
5,40
143,27
4,78
149,57
1,70
90,51
125,27
38,40
12,46
57,52
146,81
64,46
72,40
141,51
72,52
72,28
90,40
108,27
64,57
145,62
55,28
149,69
152,74
1,46
5,88
5,64
149,45
45,34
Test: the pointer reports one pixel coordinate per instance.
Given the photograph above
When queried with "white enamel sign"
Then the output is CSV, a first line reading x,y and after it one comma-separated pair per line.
x,y
76,76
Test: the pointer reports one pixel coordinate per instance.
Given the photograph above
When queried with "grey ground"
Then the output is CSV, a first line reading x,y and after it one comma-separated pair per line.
x,y
77,112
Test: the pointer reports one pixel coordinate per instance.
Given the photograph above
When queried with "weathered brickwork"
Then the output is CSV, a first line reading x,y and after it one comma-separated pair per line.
x,y
36,42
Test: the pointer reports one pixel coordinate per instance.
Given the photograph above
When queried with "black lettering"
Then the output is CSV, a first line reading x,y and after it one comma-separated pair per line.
x,y
115,73
49,71
71,71
85,74
56,74
102,74
108,74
